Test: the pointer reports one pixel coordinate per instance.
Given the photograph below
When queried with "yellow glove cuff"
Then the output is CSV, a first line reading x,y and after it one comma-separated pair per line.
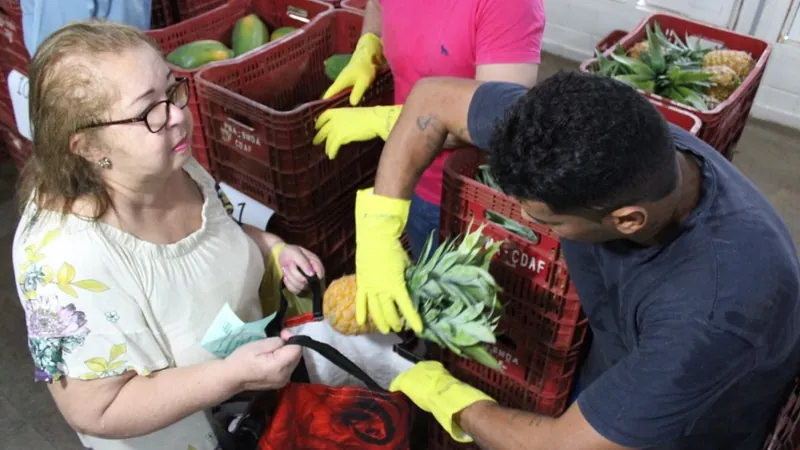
x,y
370,204
370,47
388,116
456,399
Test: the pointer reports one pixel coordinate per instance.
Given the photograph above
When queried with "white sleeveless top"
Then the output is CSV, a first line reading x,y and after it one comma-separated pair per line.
x,y
99,301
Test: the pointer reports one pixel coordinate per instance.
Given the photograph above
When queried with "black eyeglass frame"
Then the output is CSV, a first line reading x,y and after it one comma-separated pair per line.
x,y
179,81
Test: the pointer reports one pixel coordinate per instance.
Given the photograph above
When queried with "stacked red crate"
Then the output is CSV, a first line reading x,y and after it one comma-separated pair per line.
x,y
258,114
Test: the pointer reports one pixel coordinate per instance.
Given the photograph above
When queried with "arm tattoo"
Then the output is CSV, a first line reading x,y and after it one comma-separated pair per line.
x,y
423,122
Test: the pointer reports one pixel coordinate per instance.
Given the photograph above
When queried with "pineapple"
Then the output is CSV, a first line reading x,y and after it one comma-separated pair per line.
x,y
640,47
678,79
725,80
739,61
452,290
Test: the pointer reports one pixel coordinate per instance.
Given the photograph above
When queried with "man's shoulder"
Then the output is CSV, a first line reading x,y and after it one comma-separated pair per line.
x,y
488,107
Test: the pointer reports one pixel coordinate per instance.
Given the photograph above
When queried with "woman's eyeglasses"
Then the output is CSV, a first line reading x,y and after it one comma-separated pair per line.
x,y
156,115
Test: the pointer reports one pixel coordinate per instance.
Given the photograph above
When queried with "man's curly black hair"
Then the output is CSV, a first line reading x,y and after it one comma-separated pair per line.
x,y
582,143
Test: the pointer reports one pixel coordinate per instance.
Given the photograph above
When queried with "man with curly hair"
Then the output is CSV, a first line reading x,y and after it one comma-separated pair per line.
x,y
688,276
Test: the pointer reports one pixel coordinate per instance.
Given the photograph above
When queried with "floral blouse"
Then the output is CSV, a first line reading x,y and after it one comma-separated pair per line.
x,y
100,302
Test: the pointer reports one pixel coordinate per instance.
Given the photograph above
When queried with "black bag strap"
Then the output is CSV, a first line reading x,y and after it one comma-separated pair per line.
x,y
326,350
274,328
336,357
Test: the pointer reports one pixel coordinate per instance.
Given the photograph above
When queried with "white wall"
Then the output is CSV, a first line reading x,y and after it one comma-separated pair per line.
x,y
575,26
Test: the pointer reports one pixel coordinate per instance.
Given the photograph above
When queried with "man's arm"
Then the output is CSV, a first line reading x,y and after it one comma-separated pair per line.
x,y
372,18
649,398
497,428
435,107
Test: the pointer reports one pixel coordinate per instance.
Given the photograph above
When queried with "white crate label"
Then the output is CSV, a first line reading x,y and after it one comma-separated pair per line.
x,y
18,89
246,210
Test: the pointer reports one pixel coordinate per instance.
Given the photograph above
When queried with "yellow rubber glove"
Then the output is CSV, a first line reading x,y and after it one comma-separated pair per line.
x,y
381,262
431,387
360,71
341,126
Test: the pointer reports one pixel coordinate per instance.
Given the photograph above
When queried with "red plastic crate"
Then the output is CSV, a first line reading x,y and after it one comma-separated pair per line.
x,y
465,198
679,117
259,112
218,24
11,7
13,54
18,147
333,224
355,5
723,125
543,304
6,108
786,434
610,41
170,12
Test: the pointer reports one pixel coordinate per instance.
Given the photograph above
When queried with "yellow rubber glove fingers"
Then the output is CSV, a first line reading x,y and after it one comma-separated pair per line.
x,y
360,71
381,262
341,126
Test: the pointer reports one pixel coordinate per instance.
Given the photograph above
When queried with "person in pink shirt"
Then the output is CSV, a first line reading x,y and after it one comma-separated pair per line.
x,y
487,40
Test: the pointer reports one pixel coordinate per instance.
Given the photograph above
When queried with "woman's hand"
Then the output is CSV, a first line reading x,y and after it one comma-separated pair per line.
x,y
292,259
264,365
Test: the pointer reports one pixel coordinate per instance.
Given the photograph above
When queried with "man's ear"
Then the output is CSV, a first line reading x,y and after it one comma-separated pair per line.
x,y
629,219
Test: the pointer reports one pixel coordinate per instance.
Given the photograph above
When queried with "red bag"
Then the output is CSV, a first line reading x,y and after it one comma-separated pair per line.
x,y
331,401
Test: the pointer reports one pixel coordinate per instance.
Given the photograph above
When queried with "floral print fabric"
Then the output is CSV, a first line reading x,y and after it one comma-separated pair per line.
x,y
98,302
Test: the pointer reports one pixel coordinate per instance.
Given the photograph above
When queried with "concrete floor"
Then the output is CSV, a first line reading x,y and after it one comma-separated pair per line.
x,y
768,154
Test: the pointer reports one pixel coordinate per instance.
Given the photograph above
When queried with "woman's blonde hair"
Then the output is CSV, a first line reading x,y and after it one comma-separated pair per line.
x,y
66,93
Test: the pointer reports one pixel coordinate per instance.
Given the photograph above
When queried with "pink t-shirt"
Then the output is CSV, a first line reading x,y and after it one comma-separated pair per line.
x,y
450,38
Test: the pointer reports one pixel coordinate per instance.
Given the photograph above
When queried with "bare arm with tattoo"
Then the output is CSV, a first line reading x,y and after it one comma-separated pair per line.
x,y
434,108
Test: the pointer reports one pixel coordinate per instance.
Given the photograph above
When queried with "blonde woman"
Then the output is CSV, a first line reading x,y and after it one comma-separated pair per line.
x,y
125,253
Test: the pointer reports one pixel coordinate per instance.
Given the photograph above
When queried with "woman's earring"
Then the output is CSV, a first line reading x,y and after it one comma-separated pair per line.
x,y
105,163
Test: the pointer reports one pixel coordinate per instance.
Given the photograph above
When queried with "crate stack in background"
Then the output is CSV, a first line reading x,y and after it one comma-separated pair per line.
x,y
218,24
258,113
723,123
13,57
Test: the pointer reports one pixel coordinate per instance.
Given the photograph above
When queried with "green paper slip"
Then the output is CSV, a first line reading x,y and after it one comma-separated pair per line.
x,y
228,332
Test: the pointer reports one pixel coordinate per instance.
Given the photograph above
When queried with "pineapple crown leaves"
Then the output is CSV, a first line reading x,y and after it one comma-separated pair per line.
x,y
456,295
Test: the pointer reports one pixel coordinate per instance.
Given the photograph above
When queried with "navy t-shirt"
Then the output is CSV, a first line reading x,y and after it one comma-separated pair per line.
x,y
695,341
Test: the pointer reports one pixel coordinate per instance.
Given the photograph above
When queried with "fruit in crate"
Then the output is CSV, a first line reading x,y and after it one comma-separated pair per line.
x,y
335,64
249,33
281,32
195,54
741,62
725,81
451,288
667,69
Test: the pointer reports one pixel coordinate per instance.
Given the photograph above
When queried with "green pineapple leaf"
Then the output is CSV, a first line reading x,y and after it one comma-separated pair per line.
x,y
635,65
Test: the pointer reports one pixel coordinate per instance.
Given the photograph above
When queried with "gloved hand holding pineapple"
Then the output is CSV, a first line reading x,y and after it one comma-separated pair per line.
x,y
340,126
448,297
